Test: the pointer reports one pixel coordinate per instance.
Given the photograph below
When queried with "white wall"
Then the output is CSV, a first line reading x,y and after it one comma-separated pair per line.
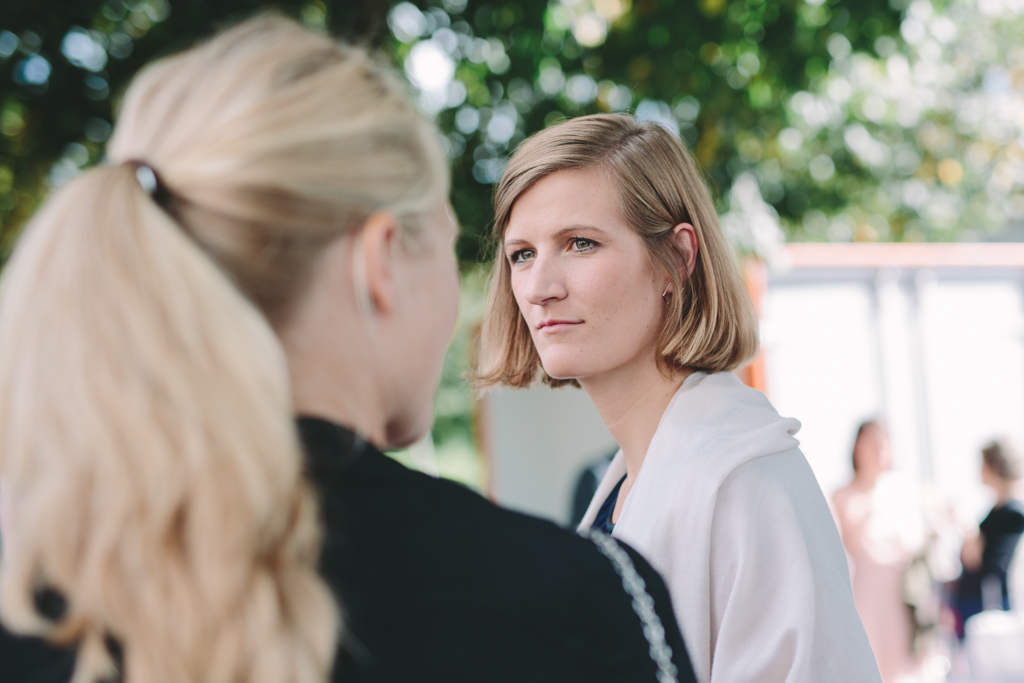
x,y
541,439
938,353
822,367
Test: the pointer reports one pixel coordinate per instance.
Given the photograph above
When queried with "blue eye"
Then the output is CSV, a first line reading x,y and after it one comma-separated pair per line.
x,y
522,255
580,244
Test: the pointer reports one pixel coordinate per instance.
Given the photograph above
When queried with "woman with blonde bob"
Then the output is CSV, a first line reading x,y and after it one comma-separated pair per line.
x,y
612,274
269,237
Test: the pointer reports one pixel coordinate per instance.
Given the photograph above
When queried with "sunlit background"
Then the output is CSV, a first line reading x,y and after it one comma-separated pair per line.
x,y
867,157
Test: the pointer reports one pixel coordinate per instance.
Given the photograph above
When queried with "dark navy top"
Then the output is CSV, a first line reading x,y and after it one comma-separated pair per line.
x,y
603,521
1001,531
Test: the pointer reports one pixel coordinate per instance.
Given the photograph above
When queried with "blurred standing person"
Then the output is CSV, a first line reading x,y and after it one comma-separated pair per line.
x,y
205,345
987,554
882,531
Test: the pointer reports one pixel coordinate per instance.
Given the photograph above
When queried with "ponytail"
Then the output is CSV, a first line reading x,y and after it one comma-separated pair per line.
x,y
148,450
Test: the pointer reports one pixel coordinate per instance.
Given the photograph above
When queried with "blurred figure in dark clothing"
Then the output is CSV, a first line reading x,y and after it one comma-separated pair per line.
x,y
586,487
986,555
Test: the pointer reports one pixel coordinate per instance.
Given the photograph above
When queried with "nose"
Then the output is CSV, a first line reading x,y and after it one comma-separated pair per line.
x,y
544,281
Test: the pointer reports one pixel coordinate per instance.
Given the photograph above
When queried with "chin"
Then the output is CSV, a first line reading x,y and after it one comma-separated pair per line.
x,y
563,370
402,433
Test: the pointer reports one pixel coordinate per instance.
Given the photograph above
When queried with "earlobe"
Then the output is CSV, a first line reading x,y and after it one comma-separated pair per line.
x,y
685,237
374,262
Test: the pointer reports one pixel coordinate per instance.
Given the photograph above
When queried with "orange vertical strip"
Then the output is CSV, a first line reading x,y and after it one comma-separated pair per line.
x,y
755,276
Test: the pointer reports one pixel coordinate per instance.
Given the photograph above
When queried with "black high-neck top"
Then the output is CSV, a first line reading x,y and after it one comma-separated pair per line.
x,y
437,584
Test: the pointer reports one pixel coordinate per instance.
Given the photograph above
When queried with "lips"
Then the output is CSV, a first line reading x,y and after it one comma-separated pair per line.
x,y
556,325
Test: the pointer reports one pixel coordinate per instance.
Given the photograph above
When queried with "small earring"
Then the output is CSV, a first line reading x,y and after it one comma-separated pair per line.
x,y
667,287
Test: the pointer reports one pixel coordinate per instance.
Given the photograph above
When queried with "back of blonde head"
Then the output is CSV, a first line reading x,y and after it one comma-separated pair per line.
x,y
148,454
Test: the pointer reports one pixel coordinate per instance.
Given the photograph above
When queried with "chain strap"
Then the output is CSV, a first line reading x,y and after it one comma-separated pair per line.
x,y
643,603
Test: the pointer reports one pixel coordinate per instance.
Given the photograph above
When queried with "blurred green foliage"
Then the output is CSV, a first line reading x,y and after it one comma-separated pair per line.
x,y
718,71
919,138
64,64
721,70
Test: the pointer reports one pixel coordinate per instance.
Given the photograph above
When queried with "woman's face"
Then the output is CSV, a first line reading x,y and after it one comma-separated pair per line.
x,y
5,513
428,316
582,278
873,451
989,477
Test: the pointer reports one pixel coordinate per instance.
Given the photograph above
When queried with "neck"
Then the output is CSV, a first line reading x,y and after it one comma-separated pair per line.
x,y
333,377
867,479
345,396
631,402
1004,491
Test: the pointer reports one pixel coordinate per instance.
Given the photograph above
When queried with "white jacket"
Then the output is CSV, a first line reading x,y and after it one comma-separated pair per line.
x,y
727,509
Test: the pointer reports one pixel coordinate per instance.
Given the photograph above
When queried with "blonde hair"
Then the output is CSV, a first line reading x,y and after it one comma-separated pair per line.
x,y
708,325
1002,459
147,442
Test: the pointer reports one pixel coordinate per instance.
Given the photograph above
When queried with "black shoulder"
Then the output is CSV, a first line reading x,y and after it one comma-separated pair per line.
x,y
1015,516
33,660
648,581
399,543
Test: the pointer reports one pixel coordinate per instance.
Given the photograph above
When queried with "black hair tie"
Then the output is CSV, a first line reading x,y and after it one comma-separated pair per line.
x,y
150,181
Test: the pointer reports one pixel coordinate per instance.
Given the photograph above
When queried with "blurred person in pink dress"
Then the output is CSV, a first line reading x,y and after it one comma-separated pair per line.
x,y
881,530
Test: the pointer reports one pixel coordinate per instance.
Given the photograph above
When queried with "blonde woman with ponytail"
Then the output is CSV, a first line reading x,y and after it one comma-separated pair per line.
x,y
269,238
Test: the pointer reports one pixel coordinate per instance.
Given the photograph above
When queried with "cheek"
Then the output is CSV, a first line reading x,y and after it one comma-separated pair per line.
x,y
516,285
432,309
445,306
6,513
622,297
450,293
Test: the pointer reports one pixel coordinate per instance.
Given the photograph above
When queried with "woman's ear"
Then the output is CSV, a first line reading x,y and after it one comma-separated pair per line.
x,y
684,236
374,267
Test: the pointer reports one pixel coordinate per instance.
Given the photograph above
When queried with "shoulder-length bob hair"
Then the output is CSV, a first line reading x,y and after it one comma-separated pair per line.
x,y
709,326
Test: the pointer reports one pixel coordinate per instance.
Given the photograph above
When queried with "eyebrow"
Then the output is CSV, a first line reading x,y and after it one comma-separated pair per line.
x,y
567,230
